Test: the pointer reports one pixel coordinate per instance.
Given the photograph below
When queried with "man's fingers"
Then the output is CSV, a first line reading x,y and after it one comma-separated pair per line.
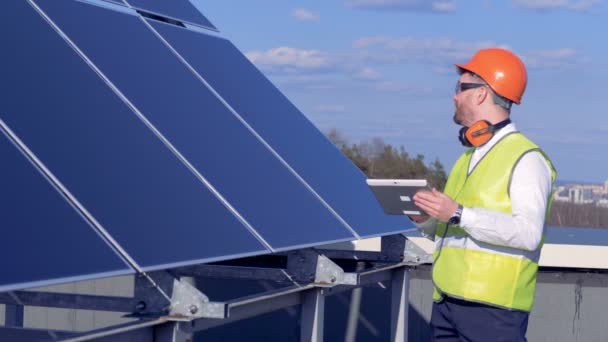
x,y
428,207
425,202
427,196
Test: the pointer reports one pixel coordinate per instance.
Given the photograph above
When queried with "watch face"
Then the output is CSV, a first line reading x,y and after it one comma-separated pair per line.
x,y
454,220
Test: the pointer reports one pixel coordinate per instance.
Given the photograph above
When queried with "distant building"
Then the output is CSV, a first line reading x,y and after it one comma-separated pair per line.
x,y
561,194
582,194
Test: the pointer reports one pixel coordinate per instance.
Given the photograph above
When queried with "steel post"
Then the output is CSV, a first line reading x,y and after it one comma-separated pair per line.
x,y
313,315
400,286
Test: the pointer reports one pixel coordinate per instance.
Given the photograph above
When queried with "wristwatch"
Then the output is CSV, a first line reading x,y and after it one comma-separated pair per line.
x,y
455,219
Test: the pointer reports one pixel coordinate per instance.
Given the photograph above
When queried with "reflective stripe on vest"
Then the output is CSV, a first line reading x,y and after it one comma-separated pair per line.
x,y
473,270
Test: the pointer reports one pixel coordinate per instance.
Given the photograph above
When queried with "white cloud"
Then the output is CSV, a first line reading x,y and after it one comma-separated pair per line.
x,y
368,74
303,14
545,5
444,69
366,42
311,81
397,87
328,108
288,59
553,59
444,6
359,67
442,53
405,5
399,50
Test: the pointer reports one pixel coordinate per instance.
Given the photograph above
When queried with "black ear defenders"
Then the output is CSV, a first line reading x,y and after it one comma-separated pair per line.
x,y
480,132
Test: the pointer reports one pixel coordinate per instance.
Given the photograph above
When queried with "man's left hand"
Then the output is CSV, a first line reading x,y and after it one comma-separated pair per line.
x,y
436,204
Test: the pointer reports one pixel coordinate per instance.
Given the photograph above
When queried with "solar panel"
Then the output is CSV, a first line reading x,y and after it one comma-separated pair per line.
x,y
115,1
285,128
115,166
44,239
199,126
178,9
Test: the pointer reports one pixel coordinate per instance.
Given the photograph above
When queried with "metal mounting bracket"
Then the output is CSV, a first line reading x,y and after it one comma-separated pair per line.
x,y
308,266
414,254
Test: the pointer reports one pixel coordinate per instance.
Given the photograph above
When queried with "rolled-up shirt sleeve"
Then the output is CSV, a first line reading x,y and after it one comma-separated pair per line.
x,y
428,228
529,192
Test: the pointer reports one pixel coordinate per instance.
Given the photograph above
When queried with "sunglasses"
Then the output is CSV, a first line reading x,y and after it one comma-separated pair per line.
x,y
460,87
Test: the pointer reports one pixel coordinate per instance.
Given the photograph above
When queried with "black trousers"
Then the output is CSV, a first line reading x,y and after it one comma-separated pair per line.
x,y
455,320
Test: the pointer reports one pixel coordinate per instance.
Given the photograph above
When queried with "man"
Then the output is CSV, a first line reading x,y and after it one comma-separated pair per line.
x,y
488,224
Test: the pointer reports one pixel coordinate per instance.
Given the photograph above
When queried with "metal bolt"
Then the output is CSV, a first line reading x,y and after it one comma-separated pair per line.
x,y
333,279
141,306
193,309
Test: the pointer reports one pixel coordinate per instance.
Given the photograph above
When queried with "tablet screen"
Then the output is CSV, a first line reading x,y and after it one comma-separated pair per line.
x,y
396,196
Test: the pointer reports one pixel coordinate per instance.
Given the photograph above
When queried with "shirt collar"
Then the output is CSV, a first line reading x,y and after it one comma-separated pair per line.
x,y
510,128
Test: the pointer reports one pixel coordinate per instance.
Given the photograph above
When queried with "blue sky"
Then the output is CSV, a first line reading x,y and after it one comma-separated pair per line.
x,y
384,68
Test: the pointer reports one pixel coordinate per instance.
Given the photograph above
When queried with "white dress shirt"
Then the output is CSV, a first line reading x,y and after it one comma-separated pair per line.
x,y
529,191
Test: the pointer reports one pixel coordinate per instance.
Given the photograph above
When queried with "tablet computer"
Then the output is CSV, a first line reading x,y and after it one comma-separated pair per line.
x,y
396,196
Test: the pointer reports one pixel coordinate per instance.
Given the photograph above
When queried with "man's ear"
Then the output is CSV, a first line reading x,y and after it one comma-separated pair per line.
x,y
482,94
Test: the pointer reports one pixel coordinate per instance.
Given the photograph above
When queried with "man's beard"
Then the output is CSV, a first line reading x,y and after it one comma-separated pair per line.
x,y
460,116
457,117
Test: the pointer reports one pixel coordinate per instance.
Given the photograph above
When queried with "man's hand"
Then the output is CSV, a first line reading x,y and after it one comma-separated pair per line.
x,y
436,204
418,218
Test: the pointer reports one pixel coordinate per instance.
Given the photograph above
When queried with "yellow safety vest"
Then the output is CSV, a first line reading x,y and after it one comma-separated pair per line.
x,y
477,271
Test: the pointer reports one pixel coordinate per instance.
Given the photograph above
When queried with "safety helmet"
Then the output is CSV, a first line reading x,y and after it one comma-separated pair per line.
x,y
502,70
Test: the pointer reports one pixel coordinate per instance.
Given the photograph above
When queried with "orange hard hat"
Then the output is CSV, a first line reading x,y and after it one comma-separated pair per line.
x,y
502,70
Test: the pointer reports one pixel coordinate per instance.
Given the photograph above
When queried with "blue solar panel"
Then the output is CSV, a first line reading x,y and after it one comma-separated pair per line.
x,y
278,205
44,239
115,166
280,123
178,9
116,1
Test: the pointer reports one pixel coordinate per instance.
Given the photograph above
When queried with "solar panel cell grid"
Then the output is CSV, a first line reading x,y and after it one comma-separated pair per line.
x,y
44,239
133,185
199,126
285,128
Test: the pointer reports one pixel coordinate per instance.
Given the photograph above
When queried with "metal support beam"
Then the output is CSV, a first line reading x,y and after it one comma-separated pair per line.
x,y
393,247
355,255
69,301
173,309
353,310
188,303
313,315
170,332
308,266
415,255
398,248
151,299
235,272
30,334
13,315
400,286
251,306
139,331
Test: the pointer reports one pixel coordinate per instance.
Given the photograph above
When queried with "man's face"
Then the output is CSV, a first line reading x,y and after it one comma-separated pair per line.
x,y
464,113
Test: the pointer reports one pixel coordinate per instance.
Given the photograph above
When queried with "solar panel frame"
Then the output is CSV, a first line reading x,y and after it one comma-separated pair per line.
x,y
120,2
31,204
185,11
66,96
271,114
148,85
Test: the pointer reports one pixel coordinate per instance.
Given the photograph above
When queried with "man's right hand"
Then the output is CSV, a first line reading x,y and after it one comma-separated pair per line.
x,y
418,218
